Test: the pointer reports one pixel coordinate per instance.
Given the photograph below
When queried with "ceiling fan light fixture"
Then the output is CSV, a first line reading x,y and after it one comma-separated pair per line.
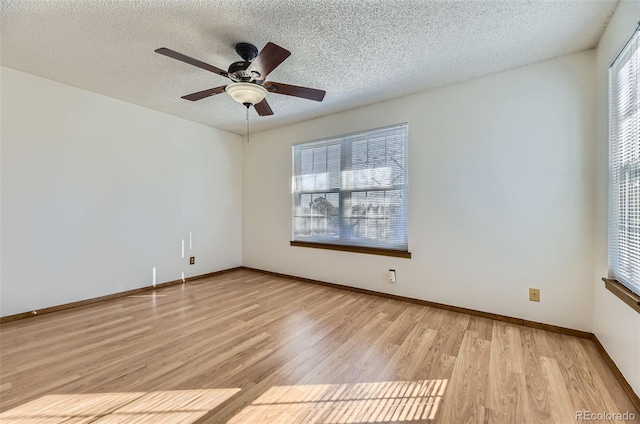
x,y
246,92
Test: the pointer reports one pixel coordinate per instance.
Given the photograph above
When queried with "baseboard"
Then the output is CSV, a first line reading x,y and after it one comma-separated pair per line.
x,y
557,329
79,303
617,373
512,320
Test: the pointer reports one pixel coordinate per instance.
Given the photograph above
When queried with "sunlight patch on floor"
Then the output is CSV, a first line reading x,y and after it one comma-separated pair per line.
x,y
375,402
170,407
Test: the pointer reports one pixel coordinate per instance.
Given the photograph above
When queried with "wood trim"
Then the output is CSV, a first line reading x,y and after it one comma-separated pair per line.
x,y
84,302
623,293
354,249
616,372
490,315
557,329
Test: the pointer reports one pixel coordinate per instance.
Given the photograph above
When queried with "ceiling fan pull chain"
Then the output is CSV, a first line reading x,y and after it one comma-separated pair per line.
x,y
247,123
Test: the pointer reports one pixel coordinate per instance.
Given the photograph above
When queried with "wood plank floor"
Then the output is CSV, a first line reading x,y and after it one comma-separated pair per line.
x,y
246,347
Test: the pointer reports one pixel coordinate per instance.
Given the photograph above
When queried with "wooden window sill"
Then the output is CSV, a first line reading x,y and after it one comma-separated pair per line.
x,y
626,295
354,249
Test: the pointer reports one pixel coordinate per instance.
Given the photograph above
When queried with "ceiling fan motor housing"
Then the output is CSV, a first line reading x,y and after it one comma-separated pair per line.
x,y
239,70
247,52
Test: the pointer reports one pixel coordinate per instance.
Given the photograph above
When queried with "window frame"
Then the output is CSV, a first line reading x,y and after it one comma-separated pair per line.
x,y
343,241
628,292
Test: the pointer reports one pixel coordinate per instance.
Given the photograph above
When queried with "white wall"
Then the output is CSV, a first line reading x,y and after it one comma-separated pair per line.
x,y
500,198
97,192
616,325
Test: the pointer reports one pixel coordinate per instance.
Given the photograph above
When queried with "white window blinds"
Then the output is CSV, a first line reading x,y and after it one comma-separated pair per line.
x,y
352,189
624,180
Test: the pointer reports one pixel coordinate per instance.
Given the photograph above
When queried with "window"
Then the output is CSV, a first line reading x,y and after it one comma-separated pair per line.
x,y
624,190
351,190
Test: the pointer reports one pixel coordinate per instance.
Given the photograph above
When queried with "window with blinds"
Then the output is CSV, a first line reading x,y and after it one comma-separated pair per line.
x,y
624,190
352,190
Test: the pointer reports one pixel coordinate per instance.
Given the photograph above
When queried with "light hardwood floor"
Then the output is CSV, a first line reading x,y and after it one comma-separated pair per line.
x,y
246,347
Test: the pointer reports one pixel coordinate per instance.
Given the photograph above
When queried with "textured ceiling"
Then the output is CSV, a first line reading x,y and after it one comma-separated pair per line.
x,y
360,52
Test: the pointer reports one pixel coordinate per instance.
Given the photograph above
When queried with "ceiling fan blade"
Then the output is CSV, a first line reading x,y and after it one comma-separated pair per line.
x,y
205,93
263,108
268,59
295,91
191,61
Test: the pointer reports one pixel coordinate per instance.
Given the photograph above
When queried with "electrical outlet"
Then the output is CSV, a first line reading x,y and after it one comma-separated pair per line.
x,y
534,295
392,275
192,260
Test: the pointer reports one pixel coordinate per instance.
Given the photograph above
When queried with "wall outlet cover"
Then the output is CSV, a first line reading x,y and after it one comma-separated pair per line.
x,y
534,295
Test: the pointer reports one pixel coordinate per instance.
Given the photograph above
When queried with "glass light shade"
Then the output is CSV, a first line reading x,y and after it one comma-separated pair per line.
x,y
246,92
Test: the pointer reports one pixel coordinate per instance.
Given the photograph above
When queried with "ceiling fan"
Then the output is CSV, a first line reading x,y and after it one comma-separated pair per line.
x,y
248,77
